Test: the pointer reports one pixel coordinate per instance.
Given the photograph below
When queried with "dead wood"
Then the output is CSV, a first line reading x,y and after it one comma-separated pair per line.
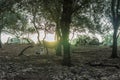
x,y
104,65
22,52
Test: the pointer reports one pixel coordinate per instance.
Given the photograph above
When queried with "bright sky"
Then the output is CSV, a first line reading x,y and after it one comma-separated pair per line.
x,y
4,37
49,37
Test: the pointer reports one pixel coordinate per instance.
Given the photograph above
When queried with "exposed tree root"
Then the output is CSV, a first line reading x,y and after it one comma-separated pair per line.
x,y
21,53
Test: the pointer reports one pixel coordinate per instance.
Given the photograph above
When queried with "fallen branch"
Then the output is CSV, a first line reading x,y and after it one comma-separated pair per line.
x,y
21,53
85,51
104,65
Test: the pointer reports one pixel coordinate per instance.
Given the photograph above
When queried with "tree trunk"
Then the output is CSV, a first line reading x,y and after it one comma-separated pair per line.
x,y
115,17
66,51
38,34
65,27
59,45
1,27
44,44
58,49
38,37
34,11
0,39
114,49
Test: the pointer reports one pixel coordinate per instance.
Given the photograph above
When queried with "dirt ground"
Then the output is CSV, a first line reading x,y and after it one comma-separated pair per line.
x,y
89,63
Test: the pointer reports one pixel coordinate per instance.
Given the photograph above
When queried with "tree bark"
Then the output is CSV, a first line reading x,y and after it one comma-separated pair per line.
x,y
44,43
59,45
58,49
38,34
1,27
65,27
114,49
115,17
0,38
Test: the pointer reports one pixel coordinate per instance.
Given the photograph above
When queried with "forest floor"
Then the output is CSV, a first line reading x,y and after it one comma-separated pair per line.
x,y
89,63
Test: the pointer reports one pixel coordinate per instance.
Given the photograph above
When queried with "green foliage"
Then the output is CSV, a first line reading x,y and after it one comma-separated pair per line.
x,y
86,40
11,19
51,9
14,23
108,40
19,41
94,41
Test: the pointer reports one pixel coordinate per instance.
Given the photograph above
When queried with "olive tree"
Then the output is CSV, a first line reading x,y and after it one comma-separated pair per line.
x,y
115,7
